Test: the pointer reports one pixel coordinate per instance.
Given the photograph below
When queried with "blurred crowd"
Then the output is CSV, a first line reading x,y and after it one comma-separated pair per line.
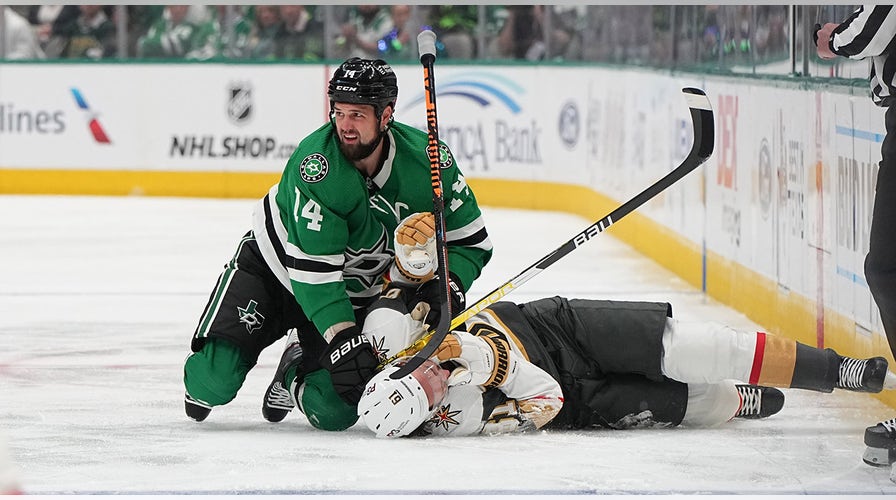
x,y
648,34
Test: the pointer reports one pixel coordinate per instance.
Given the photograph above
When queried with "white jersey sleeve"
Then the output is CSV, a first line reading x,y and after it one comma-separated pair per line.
x,y
517,395
537,395
459,414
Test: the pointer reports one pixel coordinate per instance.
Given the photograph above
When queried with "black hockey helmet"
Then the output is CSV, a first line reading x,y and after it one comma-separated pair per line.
x,y
364,81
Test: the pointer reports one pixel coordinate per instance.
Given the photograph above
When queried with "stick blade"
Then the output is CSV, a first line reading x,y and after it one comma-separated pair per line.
x,y
703,123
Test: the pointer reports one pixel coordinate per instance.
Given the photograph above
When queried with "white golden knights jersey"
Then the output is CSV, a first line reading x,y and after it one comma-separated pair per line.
x,y
520,397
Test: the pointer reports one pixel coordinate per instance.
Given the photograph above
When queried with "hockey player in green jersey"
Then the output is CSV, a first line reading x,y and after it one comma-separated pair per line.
x,y
320,249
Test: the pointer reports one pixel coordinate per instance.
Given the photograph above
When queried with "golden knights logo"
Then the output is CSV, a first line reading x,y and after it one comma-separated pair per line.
x,y
250,316
444,417
239,107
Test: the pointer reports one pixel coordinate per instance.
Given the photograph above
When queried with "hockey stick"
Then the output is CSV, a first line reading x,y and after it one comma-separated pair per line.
x,y
704,138
426,41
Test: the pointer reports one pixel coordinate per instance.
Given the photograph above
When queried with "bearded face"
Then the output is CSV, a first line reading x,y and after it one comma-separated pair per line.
x,y
358,130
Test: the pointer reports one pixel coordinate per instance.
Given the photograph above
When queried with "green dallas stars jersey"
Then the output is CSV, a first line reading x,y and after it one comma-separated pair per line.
x,y
327,231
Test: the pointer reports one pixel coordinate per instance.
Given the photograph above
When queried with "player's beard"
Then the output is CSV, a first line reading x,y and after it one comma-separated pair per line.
x,y
355,152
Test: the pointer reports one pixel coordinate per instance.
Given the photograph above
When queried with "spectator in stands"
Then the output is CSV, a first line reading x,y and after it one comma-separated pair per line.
x,y
398,44
567,22
263,39
20,41
455,25
737,29
43,17
366,26
234,28
91,35
771,31
522,36
176,36
301,35
712,33
139,19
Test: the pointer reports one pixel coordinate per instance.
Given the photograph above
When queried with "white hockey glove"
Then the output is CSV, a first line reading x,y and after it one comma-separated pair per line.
x,y
484,361
390,326
415,249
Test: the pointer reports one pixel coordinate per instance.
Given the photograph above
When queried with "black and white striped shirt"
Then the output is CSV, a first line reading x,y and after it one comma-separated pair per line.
x,y
871,32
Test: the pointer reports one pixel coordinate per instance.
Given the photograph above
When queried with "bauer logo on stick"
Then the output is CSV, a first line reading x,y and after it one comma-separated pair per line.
x,y
314,168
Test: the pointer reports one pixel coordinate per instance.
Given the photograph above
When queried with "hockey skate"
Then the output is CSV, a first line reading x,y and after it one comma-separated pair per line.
x,y
278,400
758,401
862,375
195,409
880,440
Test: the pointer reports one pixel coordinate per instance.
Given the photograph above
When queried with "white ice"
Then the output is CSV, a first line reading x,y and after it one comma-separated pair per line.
x,y
99,297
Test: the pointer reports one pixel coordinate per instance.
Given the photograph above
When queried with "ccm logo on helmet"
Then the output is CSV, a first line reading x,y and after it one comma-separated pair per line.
x,y
347,346
346,87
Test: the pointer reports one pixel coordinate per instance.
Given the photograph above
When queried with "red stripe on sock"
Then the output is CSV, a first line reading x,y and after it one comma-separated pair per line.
x,y
757,358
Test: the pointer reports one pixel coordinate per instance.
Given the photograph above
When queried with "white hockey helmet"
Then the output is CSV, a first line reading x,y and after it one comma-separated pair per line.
x,y
395,408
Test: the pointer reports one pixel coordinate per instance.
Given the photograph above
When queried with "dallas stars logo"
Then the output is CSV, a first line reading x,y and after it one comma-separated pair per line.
x,y
444,157
250,316
445,160
443,417
366,265
314,168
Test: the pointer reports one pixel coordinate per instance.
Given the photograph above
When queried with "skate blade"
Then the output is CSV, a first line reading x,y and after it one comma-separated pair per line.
x,y
877,457
890,380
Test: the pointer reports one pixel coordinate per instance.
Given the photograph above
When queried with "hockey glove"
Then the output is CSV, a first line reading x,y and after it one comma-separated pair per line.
x,y
391,325
415,249
482,360
429,293
351,361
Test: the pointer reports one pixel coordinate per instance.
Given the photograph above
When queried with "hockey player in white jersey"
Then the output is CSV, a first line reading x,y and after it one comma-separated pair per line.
x,y
579,364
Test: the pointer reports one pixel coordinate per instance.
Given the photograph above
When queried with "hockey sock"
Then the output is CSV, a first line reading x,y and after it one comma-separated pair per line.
x,y
815,369
318,400
780,362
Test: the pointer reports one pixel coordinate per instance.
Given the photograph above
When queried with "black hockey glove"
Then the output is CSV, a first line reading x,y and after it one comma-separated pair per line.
x,y
429,293
351,361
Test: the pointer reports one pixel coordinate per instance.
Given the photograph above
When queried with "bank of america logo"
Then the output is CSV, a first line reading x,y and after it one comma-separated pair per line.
x,y
99,134
486,89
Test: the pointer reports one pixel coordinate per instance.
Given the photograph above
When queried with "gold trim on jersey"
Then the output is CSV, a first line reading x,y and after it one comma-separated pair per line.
x,y
488,317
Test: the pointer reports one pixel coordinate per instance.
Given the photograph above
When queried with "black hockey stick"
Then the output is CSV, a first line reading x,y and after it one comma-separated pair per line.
x,y
426,42
704,139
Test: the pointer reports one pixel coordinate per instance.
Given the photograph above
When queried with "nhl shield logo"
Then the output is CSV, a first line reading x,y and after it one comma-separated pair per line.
x,y
239,108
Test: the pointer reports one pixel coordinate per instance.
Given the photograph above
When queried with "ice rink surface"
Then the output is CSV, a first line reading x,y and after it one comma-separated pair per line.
x,y
99,297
